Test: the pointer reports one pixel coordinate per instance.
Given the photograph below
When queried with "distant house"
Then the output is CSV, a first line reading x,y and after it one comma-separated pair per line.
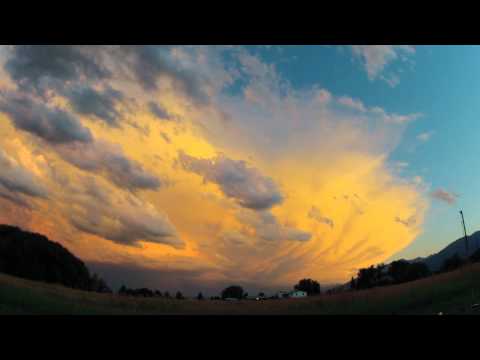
x,y
291,294
298,294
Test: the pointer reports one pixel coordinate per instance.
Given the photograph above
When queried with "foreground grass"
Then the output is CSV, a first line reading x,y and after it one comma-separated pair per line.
x,y
451,293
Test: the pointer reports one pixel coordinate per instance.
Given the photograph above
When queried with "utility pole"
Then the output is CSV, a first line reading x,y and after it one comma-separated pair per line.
x,y
465,232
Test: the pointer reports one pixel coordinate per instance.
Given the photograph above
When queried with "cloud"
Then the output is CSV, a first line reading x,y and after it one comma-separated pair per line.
x,y
135,275
315,214
166,137
424,137
444,195
107,158
351,103
37,68
269,229
120,216
16,181
266,227
376,58
236,180
302,147
159,111
376,112
86,100
149,63
75,143
411,221
50,123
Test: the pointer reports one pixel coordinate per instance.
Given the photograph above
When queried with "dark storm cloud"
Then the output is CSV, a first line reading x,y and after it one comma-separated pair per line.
x,y
119,216
236,180
86,100
189,282
50,123
109,159
38,67
151,62
159,111
135,276
16,181
41,68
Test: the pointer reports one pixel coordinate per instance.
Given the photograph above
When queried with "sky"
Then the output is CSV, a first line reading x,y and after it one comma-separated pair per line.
x,y
195,167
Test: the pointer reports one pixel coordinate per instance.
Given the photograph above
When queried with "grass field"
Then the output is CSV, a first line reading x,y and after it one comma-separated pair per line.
x,y
450,293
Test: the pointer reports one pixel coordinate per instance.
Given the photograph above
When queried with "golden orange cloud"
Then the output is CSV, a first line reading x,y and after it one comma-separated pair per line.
x,y
340,200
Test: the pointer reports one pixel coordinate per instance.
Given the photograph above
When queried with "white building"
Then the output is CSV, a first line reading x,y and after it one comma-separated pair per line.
x,y
298,294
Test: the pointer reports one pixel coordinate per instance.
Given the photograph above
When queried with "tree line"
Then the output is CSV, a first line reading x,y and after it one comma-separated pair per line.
x,y
402,271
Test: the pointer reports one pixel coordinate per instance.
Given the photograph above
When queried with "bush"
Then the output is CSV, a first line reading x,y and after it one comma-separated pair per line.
x,y
233,291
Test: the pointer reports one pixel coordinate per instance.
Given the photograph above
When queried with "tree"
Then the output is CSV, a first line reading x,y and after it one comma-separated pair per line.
x,y
200,296
417,270
122,290
179,296
366,278
167,294
261,295
352,283
233,291
398,271
311,287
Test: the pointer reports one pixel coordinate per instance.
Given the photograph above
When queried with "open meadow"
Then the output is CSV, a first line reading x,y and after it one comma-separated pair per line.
x,y
449,293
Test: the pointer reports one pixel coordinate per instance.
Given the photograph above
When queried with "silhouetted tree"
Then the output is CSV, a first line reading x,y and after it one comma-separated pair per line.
x,y
200,296
167,294
311,287
366,278
399,270
352,283
179,296
261,295
233,291
417,270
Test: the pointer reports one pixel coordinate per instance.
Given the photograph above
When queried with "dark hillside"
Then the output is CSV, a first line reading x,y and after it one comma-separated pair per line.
x,y
33,256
